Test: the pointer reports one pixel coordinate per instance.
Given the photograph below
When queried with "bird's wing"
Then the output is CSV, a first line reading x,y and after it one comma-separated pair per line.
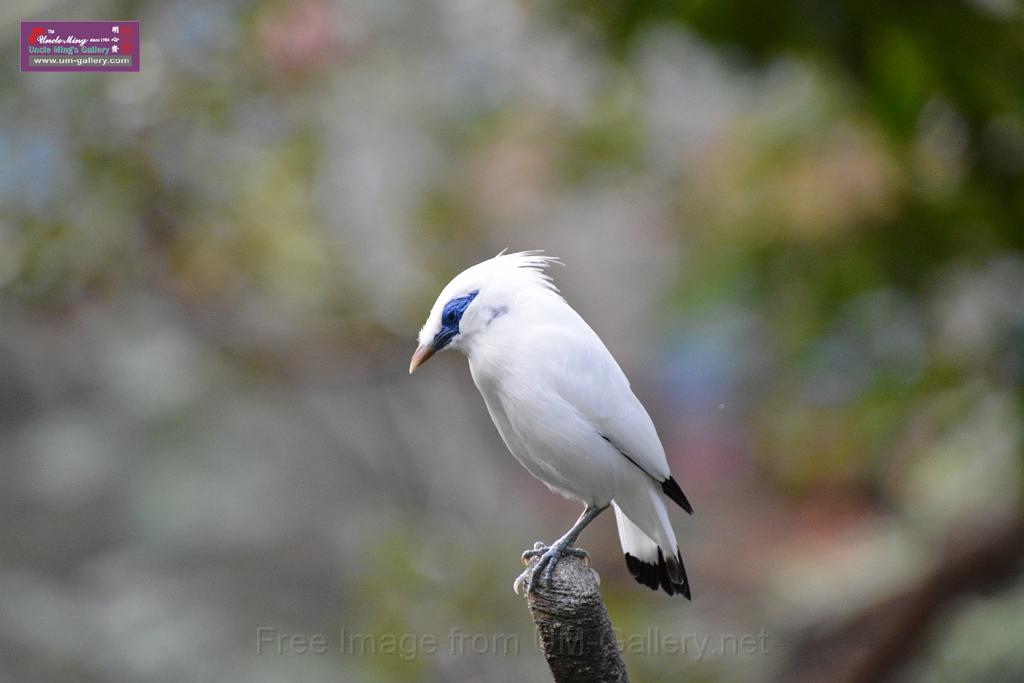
x,y
586,375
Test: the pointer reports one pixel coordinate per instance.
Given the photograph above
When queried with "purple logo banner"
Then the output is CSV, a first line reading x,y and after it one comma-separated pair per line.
x,y
79,46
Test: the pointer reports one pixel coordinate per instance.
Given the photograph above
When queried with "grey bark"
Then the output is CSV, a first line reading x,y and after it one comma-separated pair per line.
x,y
573,625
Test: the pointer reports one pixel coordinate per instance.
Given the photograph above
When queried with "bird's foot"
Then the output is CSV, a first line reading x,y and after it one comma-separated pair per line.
x,y
539,549
545,567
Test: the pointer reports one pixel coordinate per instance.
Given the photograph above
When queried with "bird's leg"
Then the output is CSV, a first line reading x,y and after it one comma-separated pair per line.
x,y
549,555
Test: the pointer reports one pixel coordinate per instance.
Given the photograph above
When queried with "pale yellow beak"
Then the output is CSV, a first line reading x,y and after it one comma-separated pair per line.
x,y
422,355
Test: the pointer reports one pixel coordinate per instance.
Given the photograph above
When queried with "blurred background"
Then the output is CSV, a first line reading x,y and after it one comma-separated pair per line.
x,y
799,226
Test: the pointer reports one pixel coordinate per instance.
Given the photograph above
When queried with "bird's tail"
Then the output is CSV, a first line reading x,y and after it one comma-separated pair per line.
x,y
649,543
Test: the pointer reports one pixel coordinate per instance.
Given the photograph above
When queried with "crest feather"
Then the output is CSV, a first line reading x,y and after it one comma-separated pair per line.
x,y
534,262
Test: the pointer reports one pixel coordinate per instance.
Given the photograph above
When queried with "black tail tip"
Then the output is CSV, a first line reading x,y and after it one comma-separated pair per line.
x,y
672,490
656,576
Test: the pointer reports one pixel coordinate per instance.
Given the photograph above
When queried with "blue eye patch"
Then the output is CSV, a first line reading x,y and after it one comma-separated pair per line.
x,y
450,318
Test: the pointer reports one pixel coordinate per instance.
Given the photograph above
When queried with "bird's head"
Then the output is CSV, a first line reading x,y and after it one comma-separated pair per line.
x,y
470,305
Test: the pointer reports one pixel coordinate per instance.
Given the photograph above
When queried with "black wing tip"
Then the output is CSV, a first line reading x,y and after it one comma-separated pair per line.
x,y
672,490
656,576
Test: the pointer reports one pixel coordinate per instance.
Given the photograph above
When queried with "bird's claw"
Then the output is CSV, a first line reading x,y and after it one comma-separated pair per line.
x,y
545,566
538,549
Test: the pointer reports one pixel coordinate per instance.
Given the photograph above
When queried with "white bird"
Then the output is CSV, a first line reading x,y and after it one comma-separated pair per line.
x,y
563,407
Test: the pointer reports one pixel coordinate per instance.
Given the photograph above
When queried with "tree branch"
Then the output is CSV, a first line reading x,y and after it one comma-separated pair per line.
x,y
573,625
877,642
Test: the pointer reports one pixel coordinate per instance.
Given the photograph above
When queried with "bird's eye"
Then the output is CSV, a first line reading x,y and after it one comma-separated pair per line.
x,y
449,317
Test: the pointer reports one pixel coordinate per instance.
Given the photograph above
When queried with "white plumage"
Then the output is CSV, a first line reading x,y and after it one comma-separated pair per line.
x,y
562,406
